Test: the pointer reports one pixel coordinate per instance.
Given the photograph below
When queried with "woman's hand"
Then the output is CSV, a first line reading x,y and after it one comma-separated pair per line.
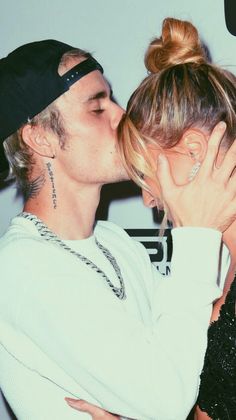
x,y
200,415
95,412
209,200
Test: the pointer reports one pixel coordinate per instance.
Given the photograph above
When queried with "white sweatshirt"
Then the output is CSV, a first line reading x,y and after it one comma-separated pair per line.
x,y
65,333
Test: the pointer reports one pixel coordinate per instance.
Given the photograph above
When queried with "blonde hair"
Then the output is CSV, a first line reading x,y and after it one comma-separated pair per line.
x,y
18,153
182,90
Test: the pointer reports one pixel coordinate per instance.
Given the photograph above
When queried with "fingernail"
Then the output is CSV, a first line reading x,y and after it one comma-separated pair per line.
x,y
161,158
73,401
222,125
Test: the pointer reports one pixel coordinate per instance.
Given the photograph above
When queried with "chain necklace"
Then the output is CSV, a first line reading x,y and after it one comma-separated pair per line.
x,y
47,234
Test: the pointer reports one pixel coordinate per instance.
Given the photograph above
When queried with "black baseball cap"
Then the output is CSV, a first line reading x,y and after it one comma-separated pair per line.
x,y
29,82
230,16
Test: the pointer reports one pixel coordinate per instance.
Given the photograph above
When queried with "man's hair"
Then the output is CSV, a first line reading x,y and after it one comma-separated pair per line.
x,y
18,153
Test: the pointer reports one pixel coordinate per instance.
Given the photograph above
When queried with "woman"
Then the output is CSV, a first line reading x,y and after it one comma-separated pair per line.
x,y
185,97
171,115
173,112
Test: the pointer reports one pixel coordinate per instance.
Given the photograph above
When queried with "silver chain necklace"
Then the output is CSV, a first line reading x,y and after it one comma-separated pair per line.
x,y
47,234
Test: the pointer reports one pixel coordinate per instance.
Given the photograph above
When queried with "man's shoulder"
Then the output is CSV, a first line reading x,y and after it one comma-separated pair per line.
x,y
15,237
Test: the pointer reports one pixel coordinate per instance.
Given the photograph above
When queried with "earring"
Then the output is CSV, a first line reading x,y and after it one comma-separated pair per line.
x,y
53,156
194,171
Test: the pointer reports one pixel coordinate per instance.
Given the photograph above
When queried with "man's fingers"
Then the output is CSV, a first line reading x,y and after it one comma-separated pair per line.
x,y
213,148
228,164
82,405
95,412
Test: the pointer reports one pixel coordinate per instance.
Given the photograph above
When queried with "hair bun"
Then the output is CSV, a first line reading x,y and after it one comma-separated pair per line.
x,y
179,43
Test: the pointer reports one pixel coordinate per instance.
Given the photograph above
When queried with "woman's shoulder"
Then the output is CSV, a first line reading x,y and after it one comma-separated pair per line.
x,y
217,394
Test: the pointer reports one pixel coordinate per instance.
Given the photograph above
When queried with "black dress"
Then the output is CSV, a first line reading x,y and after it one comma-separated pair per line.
x,y
217,394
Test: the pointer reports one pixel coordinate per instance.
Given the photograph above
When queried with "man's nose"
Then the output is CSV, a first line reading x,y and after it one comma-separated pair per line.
x,y
117,113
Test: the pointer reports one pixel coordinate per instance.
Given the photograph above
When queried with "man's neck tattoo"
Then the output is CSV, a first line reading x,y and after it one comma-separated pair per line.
x,y
33,187
51,176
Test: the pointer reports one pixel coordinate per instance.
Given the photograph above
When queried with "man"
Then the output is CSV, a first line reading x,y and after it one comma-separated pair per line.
x,y
82,311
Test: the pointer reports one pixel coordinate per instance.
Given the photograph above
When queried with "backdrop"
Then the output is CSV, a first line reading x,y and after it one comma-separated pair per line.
x,y
117,32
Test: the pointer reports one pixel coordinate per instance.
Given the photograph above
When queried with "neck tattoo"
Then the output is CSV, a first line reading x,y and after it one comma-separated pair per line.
x,y
51,176
50,236
34,187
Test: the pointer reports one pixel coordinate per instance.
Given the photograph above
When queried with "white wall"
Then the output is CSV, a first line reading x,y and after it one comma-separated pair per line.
x,y
117,31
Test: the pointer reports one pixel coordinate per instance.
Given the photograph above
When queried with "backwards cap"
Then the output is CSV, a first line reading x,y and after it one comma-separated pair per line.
x,y
29,82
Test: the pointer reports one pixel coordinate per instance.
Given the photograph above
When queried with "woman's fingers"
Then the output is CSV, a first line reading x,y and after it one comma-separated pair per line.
x,y
228,165
232,183
96,413
209,200
164,175
212,149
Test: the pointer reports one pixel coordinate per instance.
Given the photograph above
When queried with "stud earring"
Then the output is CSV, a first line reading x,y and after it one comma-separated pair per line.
x,y
53,156
194,171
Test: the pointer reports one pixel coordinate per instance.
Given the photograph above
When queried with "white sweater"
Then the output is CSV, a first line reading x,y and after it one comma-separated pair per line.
x,y
65,333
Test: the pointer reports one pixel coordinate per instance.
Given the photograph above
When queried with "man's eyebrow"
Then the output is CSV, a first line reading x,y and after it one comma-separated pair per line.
x,y
100,95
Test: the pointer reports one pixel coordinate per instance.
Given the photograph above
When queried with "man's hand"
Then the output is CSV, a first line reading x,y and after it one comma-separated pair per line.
x,y
209,200
95,412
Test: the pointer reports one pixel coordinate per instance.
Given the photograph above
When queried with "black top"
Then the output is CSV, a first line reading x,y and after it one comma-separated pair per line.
x,y
217,394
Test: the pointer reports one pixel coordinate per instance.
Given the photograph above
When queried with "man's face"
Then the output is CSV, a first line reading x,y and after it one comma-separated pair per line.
x,y
91,118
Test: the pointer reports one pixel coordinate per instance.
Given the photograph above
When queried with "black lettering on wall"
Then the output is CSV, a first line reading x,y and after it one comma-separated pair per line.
x,y
159,248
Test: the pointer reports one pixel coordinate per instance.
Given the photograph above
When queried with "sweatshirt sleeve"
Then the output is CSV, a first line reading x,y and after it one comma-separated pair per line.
x,y
184,299
195,266
138,371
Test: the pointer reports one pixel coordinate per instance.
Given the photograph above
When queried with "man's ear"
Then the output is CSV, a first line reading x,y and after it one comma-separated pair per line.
x,y
195,144
36,138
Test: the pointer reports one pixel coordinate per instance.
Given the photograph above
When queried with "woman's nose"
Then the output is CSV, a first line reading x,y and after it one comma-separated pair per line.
x,y
148,199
